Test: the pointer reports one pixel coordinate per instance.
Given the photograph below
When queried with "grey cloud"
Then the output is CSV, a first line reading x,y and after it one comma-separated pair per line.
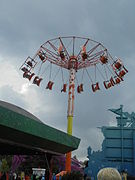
x,y
9,95
27,24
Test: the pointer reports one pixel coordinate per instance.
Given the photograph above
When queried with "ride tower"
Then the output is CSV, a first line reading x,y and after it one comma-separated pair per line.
x,y
80,57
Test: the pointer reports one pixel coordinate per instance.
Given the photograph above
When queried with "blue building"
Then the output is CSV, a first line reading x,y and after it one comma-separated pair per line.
x,y
118,147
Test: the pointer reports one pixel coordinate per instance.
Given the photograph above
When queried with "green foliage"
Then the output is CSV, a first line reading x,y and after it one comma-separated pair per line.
x,y
4,166
73,176
8,158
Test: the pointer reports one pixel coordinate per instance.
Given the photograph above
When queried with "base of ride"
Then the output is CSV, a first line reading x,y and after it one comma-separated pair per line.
x,y
118,147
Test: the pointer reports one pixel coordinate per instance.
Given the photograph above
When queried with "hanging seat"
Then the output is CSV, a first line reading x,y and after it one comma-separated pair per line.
x,y
121,73
112,81
103,59
118,64
29,63
61,52
37,80
107,84
24,69
49,85
84,56
80,88
117,80
64,89
62,55
95,87
41,55
83,53
28,75
120,68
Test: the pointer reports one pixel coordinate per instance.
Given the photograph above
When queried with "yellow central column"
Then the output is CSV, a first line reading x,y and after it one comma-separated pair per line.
x,y
70,125
68,155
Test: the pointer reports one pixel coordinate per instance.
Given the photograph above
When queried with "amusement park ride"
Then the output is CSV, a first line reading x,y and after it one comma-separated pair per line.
x,y
76,55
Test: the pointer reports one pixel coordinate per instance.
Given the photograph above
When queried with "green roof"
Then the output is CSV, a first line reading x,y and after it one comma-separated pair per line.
x,y
19,127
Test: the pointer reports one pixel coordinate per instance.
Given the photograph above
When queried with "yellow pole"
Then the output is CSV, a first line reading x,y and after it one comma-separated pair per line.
x,y
70,125
68,155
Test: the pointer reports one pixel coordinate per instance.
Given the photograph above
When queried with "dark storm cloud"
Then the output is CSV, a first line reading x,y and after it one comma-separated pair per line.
x,y
26,24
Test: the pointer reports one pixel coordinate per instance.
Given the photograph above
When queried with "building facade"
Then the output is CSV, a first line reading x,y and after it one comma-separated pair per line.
x,y
118,147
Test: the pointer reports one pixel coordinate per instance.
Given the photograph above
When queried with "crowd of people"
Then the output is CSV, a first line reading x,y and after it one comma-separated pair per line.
x,y
103,174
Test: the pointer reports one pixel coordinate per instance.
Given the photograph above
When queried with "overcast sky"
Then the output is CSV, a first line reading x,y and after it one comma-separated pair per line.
x,y
26,24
